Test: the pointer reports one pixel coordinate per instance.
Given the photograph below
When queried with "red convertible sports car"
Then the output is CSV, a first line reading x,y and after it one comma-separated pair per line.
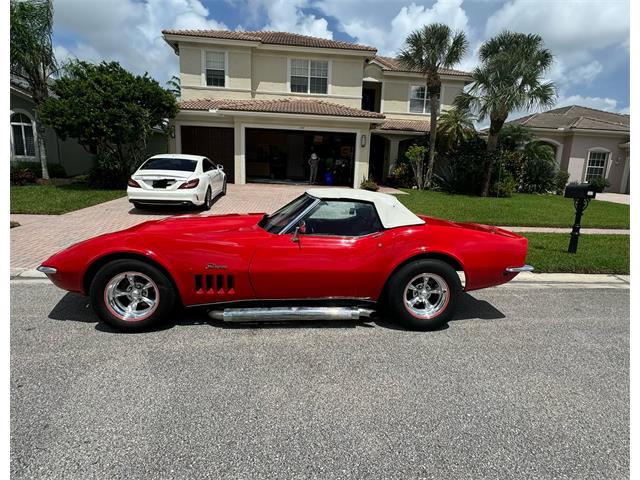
x,y
332,253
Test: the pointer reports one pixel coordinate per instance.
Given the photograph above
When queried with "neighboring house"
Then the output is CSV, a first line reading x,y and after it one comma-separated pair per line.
x,y
587,142
261,102
75,159
24,145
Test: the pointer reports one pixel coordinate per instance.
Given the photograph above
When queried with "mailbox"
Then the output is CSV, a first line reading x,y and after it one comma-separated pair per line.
x,y
582,194
584,191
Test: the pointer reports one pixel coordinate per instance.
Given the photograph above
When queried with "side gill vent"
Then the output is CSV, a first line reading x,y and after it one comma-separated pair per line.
x,y
215,284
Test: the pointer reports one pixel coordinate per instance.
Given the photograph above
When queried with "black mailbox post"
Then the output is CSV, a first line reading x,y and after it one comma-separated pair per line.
x,y
581,193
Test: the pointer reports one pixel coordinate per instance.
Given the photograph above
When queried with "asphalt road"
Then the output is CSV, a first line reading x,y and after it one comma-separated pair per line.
x,y
524,384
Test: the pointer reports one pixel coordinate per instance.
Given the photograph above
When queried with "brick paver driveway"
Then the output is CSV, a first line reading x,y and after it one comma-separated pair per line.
x,y
40,236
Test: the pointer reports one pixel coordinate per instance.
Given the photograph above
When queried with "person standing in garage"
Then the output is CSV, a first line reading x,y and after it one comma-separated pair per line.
x,y
313,170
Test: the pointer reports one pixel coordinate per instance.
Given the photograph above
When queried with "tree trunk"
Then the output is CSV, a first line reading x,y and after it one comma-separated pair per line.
x,y
42,149
492,144
433,111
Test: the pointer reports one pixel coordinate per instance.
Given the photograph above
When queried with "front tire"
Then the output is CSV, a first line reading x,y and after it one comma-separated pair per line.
x,y
131,295
224,188
423,295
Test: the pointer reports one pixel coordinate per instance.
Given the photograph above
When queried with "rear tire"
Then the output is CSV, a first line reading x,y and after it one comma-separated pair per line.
x,y
131,295
208,200
423,295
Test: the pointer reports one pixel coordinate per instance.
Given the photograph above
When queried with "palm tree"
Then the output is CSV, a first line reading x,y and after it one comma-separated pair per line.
x,y
174,86
510,77
426,50
455,126
32,56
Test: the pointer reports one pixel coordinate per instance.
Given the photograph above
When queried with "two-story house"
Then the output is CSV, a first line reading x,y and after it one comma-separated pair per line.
x,y
261,103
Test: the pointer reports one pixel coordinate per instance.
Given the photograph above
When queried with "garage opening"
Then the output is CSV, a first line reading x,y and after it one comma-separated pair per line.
x,y
286,156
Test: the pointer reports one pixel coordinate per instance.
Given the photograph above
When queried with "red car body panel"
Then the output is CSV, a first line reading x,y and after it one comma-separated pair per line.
x,y
213,259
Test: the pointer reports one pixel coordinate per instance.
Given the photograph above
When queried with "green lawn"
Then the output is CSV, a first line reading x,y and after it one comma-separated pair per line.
x,y
519,210
52,200
596,253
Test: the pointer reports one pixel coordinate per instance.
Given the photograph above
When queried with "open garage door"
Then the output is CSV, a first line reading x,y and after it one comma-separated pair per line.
x,y
282,156
215,143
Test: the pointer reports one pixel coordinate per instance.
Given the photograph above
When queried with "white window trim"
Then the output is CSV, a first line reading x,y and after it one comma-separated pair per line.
x,y
329,75
607,162
425,111
35,137
203,68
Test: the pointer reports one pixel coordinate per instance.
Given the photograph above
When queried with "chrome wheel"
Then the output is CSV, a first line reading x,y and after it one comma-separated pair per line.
x,y
426,295
131,296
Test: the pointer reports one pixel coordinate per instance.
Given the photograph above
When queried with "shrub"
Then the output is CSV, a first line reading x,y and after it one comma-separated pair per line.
x,y
505,187
416,154
462,170
560,181
369,184
401,176
540,168
109,172
55,169
599,183
21,176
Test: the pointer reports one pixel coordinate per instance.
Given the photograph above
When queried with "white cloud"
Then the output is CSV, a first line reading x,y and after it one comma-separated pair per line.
x,y
575,31
284,16
288,16
386,25
128,31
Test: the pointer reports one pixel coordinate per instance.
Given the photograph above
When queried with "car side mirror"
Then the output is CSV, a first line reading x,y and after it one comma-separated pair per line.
x,y
296,238
220,167
302,228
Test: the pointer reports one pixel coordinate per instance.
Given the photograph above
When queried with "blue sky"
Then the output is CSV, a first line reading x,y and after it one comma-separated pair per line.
x,y
589,38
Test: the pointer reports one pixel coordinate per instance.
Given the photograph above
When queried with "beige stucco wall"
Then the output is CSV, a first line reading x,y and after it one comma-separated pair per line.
x,y
262,74
238,73
396,96
580,146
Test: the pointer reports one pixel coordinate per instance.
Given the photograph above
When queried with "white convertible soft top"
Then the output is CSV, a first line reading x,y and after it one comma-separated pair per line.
x,y
391,212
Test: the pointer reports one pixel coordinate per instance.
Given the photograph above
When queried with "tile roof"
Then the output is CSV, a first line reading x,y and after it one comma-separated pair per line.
x,y
406,125
272,38
575,117
287,105
393,65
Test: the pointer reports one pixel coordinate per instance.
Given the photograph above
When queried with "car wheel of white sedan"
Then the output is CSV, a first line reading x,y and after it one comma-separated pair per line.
x,y
224,188
131,295
208,200
422,295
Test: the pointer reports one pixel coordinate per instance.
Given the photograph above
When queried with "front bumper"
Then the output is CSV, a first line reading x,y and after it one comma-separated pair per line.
x,y
523,268
47,270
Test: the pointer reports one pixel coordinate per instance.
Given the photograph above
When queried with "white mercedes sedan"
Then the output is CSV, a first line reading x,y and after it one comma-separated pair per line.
x,y
176,179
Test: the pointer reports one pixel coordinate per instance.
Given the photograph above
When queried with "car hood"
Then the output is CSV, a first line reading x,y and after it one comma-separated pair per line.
x,y
205,224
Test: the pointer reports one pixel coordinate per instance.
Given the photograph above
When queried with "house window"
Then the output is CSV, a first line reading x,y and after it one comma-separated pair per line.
x,y
419,100
309,76
596,165
215,69
23,139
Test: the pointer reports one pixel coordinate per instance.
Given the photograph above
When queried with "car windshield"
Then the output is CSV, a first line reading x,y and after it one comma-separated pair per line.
x,y
275,222
180,164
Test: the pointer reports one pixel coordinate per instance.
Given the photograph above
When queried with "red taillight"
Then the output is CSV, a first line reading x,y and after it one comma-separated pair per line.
x,y
190,184
132,183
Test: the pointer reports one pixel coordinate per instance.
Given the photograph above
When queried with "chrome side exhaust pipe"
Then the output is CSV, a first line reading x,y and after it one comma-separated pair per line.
x,y
289,313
